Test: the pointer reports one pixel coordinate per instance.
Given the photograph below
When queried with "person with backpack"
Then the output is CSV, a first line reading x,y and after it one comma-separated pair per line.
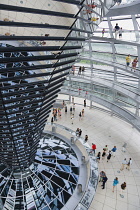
x,y
104,180
115,182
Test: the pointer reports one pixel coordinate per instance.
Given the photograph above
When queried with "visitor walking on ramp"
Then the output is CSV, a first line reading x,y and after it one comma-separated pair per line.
x,y
103,32
128,60
134,63
117,28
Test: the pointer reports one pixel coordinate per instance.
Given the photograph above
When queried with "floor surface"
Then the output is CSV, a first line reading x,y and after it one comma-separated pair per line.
x,y
102,129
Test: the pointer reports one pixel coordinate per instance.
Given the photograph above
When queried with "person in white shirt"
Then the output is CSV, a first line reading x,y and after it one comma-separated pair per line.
x,y
129,164
124,162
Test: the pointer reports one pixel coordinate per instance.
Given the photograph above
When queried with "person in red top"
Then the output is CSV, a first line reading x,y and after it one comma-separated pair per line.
x,y
93,148
134,63
92,6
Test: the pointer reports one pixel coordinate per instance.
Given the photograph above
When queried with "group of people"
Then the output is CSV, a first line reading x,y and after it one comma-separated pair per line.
x,y
90,11
118,2
78,132
72,111
126,164
81,70
91,6
105,153
81,114
93,19
56,113
103,177
134,62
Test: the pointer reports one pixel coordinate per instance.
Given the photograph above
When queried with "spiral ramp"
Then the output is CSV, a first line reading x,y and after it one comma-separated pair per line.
x,y
107,80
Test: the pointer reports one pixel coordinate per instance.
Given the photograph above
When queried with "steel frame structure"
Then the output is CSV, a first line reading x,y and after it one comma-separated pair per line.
x,y
129,89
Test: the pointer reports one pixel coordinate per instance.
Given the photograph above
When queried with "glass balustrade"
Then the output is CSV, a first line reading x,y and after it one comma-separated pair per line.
x,y
105,93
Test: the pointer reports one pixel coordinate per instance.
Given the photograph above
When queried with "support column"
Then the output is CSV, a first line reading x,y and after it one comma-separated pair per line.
x,y
136,29
90,103
91,68
114,56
